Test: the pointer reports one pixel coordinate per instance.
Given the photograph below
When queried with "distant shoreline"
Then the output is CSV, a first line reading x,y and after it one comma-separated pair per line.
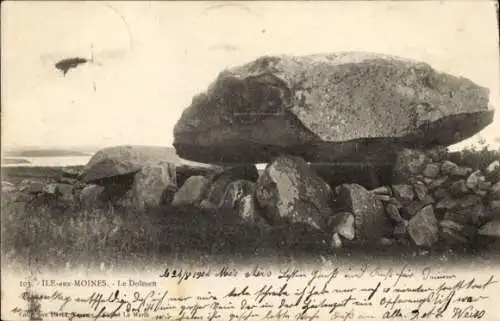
x,y
46,153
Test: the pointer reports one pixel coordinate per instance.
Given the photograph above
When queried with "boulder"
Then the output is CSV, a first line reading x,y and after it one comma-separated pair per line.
x,y
149,186
234,193
246,208
65,193
192,191
423,227
308,106
370,220
220,181
343,224
289,191
123,160
92,196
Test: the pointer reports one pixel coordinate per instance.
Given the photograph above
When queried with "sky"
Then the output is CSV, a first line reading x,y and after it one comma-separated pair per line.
x,y
151,58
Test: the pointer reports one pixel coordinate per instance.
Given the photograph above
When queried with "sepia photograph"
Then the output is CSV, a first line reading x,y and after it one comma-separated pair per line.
x,y
260,160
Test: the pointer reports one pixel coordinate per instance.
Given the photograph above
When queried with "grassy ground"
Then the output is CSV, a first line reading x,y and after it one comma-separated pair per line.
x,y
90,239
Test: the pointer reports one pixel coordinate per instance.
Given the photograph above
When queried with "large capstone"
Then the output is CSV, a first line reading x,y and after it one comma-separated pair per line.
x,y
348,106
124,160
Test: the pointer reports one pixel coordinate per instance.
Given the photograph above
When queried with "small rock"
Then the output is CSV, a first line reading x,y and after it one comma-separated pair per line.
x,y
428,199
447,203
409,162
206,205
336,242
495,208
409,210
492,171
382,190
343,224
495,192
420,190
50,188
403,193
459,188
386,241
492,228
431,170
468,201
35,187
70,172
393,212
441,193
451,225
474,180
438,153
461,172
475,215
8,187
481,193
423,228
395,202
383,198
437,182
68,180
486,186
451,236
427,180
401,229
447,167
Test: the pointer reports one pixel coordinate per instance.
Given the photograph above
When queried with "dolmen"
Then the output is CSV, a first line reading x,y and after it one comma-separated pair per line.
x,y
312,118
